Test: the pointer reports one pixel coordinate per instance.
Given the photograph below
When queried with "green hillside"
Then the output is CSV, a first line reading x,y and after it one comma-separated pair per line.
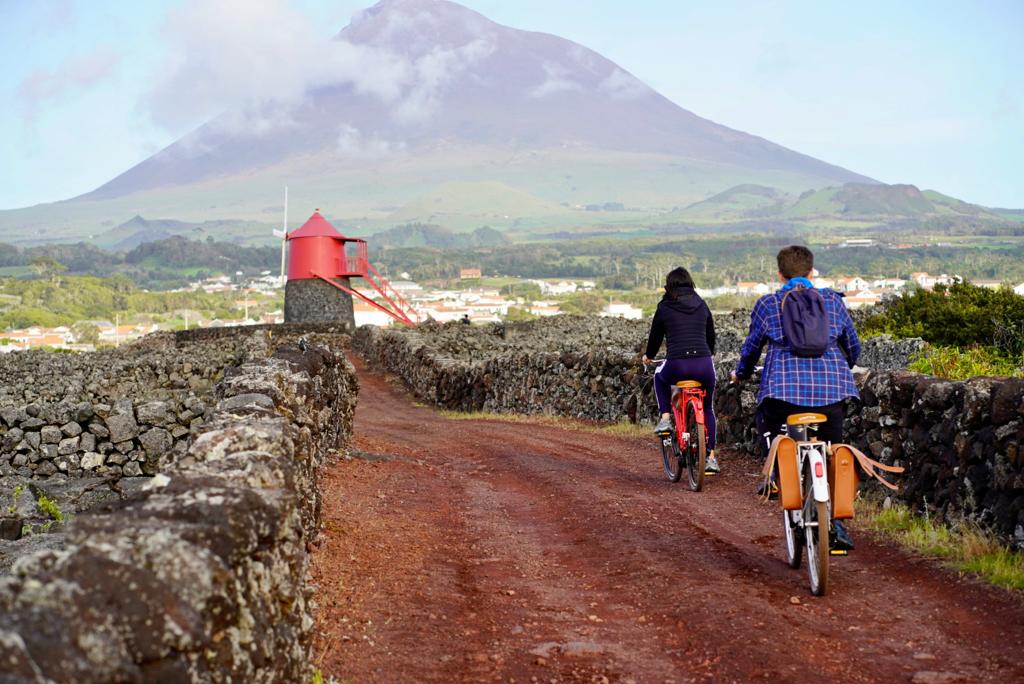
x,y
739,202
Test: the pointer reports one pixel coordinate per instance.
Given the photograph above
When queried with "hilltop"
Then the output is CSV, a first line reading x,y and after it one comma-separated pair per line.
x,y
475,113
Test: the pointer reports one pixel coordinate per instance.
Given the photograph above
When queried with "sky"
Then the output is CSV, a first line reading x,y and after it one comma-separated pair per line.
x,y
923,92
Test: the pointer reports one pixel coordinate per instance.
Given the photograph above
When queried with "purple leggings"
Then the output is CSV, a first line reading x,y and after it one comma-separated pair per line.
x,y
700,369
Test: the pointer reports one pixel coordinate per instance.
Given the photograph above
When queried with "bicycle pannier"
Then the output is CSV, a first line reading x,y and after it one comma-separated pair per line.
x,y
842,481
789,476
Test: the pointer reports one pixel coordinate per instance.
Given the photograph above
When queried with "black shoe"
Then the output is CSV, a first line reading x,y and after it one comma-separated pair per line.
x,y
841,539
768,490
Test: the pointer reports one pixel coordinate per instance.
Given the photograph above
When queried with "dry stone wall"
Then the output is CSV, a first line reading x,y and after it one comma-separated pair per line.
x,y
199,575
116,412
119,412
961,442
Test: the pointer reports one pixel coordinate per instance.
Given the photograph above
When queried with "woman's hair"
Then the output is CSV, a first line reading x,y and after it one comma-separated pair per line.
x,y
677,278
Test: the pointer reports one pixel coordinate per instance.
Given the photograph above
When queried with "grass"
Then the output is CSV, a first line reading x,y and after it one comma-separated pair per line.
x,y
966,548
620,429
954,363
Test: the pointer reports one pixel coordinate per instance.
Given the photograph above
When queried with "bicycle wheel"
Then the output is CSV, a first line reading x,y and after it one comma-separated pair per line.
x,y
816,522
671,457
794,540
696,453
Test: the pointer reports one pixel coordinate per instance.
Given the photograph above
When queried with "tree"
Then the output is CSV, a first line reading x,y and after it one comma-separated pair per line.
x,y
86,333
48,267
583,303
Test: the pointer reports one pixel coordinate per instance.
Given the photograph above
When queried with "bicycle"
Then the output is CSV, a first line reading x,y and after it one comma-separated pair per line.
x,y
686,445
802,463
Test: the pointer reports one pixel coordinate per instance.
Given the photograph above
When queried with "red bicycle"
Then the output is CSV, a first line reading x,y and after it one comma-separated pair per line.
x,y
686,446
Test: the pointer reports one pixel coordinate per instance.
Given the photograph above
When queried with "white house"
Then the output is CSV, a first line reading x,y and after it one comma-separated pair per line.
x,y
1019,289
855,300
888,284
854,284
988,284
563,287
928,281
545,309
366,314
705,292
622,310
822,282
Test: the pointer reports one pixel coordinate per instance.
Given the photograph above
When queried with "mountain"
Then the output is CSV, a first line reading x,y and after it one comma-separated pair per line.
x,y
462,100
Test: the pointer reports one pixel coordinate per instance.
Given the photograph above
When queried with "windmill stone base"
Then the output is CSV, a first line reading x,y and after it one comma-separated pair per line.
x,y
315,301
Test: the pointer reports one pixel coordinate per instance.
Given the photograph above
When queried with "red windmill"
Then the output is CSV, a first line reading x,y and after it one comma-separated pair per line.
x,y
319,254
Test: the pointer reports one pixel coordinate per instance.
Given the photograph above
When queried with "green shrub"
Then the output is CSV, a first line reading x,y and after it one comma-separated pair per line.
x,y
961,315
953,363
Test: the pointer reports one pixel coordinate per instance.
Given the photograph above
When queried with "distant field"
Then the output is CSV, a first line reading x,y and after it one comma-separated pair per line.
x,y
15,271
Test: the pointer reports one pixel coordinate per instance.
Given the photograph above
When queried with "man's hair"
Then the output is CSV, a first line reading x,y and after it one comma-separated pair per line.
x,y
795,261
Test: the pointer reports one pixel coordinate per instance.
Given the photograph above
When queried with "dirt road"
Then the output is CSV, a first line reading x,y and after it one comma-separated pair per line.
x,y
473,550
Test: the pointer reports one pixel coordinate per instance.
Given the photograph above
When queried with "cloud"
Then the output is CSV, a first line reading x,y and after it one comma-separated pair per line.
x,y
76,73
556,80
228,58
431,72
623,86
353,144
234,55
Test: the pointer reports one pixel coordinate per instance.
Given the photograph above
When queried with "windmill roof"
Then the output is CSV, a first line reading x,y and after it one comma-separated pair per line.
x,y
317,226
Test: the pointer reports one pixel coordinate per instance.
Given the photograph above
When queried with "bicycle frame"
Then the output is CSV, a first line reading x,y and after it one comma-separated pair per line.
x,y
817,453
681,399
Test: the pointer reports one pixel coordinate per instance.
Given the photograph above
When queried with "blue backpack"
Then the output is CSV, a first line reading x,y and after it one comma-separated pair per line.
x,y
805,322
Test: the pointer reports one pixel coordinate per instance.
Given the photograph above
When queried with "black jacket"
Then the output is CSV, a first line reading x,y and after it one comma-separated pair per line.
x,y
687,322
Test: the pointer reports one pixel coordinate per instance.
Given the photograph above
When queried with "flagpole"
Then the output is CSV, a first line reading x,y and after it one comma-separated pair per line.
x,y
284,233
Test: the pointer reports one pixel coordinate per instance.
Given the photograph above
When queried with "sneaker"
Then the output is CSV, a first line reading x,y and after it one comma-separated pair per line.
x,y
768,490
711,466
664,425
842,541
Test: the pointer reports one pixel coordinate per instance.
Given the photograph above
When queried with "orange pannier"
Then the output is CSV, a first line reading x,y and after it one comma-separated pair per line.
x,y
789,475
842,481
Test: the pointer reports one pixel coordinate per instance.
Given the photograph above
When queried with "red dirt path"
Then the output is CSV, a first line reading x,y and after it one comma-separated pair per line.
x,y
476,550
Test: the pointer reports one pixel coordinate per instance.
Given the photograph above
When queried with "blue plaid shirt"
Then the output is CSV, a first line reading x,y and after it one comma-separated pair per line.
x,y
800,381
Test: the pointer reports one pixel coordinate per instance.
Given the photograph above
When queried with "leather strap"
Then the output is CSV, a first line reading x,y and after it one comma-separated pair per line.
x,y
769,465
871,466
868,465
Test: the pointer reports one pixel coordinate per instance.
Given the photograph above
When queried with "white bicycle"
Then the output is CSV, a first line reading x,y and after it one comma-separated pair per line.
x,y
807,520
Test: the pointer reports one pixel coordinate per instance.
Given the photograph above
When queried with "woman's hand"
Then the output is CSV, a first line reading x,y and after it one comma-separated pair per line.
x,y
733,379
646,361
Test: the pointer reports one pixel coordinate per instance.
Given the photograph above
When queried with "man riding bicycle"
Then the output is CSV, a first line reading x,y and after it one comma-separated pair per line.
x,y
792,383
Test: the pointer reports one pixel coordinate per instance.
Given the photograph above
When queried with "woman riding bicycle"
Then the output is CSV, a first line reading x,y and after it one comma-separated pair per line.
x,y
685,321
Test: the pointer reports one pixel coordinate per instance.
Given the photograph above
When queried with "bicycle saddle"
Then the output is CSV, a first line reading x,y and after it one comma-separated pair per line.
x,y
688,384
806,419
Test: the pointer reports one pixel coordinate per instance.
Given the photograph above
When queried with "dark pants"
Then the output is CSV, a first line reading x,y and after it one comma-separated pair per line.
x,y
700,369
772,414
